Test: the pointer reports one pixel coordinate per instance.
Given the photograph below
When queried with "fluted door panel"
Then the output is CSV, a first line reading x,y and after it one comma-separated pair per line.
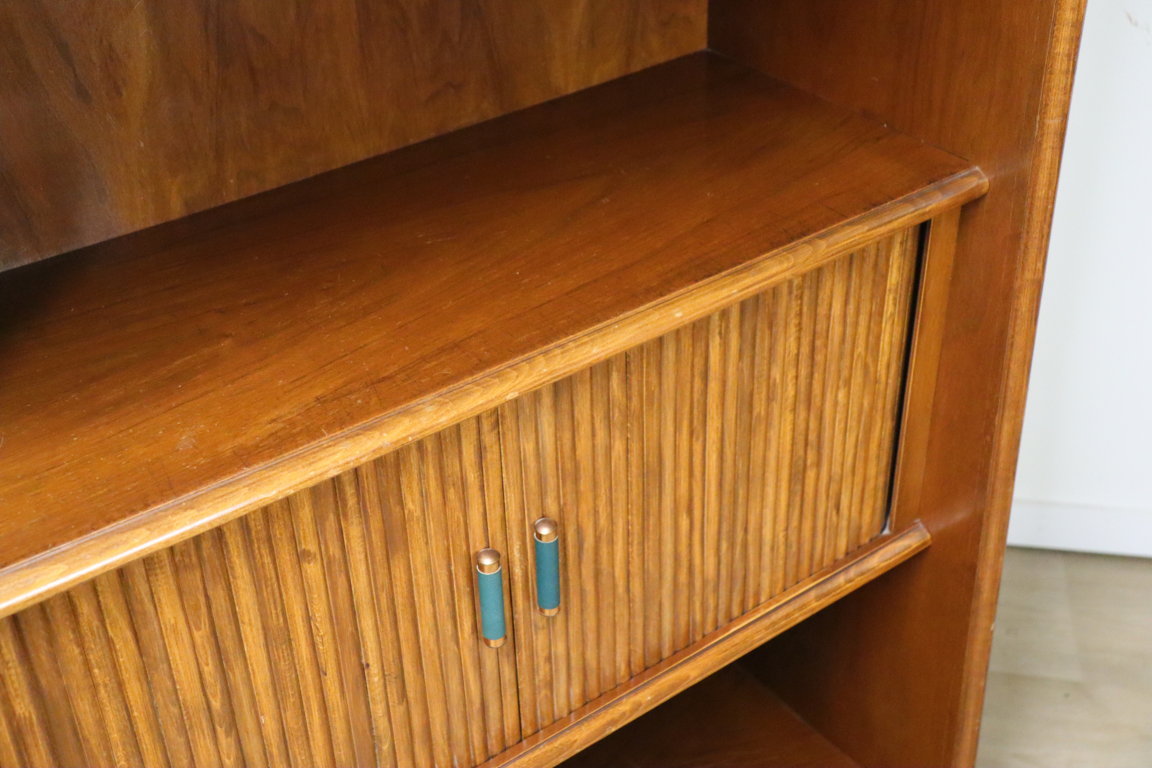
x,y
336,627
702,473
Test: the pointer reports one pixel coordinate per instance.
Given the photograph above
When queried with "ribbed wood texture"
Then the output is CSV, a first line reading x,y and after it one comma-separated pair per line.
x,y
336,627
693,477
747,451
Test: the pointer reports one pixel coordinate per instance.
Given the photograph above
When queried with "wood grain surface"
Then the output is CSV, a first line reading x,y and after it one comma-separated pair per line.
x,y
272,356
695,478
655,685
117,116
729,720
157,385
989,81
701,474
315,633
336,627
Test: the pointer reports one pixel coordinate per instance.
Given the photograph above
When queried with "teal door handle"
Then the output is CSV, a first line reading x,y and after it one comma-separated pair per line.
x,y
490,589
546,532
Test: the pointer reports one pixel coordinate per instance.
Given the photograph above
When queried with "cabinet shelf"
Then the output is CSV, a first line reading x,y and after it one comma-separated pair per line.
x,y
158,384
728,720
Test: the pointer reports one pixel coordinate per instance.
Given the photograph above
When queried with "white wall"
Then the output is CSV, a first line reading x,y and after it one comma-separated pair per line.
x,y
1085,476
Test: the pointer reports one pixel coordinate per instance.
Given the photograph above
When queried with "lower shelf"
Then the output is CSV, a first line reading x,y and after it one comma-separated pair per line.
x,y
730,720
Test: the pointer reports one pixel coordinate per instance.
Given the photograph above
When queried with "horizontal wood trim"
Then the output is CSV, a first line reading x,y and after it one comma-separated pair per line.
x,y
644,692
88,487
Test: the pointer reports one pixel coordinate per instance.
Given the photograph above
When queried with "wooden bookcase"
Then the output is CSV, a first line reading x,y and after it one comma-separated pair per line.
x,y
305,306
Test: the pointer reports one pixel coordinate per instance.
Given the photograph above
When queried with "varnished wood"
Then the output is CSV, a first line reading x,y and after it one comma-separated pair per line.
x,y
658,683
338,626
728,720
920,385
673,311
989,81
241,361
166,655
321,630
649,606
115,118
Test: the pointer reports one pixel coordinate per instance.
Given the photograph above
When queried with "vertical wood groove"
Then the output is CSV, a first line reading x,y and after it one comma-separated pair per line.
x,y
757,445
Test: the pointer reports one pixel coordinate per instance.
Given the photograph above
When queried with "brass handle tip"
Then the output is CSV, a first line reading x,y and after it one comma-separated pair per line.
x,y
547,529
488,560
494,643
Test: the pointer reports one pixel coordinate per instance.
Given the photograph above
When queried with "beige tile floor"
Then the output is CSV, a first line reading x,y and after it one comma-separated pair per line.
x,y
1070,682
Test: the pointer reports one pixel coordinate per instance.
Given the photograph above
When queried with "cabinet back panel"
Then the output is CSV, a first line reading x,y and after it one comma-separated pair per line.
x,y
118,116
693,478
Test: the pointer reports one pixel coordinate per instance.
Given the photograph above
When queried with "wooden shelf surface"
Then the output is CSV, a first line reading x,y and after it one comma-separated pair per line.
x,y
729,720
155,385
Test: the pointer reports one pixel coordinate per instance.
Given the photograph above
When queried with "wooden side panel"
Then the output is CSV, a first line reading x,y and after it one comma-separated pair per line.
x,y
990,81
118,116
336,627
699,475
